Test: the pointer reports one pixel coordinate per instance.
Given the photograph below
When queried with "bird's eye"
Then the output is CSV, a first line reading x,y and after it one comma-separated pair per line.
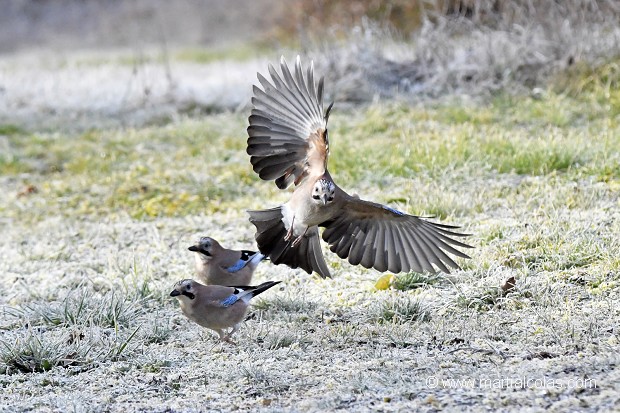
x,y
188,287
331,198
316,197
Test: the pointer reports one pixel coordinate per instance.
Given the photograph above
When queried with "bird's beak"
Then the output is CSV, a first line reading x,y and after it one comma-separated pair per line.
x,y
174,293
324,199
197,248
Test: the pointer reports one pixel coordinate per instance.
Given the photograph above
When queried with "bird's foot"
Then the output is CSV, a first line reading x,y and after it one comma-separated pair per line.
x,y
289,233
228,340
297,240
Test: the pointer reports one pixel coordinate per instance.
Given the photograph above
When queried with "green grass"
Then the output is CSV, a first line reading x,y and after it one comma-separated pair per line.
x,y
83,329
200,55
413,280
416,142
239,52
108,171
400,310
8,130
126,171
598,85
85,308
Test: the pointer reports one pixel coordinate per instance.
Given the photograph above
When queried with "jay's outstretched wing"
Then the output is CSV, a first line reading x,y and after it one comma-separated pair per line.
x,y
288,129
383,238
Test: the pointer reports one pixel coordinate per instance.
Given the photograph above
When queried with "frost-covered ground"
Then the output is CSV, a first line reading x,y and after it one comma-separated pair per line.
x,y
310,345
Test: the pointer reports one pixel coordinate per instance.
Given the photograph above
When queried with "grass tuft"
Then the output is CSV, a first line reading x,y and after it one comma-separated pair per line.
x,y
36,351
399,310
83,307
9,130
481,300
286,304
414,280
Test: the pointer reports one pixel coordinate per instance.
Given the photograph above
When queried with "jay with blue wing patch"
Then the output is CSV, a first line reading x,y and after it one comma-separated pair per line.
x,y
288,143
217,307
217,265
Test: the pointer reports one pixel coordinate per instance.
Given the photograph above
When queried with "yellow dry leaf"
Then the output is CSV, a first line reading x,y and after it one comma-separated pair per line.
x,y
384,282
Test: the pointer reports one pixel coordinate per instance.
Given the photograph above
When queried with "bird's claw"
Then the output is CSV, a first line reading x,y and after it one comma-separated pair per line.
x,y
228,340
297,241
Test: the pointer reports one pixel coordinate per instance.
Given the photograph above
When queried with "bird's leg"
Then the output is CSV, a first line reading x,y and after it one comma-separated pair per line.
x,y
229,340
289,233
232,331
299,238
225,337
220,332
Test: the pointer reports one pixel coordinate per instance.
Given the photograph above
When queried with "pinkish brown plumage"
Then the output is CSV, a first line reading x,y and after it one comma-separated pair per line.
x,y
217,307
216,265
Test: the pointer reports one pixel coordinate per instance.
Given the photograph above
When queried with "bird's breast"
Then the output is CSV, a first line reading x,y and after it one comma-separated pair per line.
x,y
304,214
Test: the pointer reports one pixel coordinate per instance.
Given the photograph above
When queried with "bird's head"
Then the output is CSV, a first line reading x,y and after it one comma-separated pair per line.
x,y
184,288
205,247
323,191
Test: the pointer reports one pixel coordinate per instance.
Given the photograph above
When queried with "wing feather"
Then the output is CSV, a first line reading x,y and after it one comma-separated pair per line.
x,y
258,119
392,255
383,238
288,89
273,161
264,136
303,86
380,260
343,247
357,248
310,85
426,251
280,107
297,84
287,135
443,241
368,252
431,254
412,252
401,251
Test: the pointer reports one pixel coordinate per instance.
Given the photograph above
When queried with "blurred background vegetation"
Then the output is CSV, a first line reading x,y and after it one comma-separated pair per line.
x,y
368,49
74,23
